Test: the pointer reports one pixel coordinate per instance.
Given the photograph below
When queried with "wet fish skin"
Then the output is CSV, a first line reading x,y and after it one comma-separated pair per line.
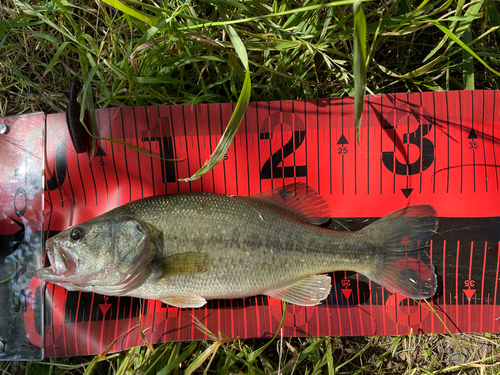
x,y
187,248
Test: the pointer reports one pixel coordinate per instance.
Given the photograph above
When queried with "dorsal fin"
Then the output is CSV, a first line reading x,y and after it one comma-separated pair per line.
x,y
301,199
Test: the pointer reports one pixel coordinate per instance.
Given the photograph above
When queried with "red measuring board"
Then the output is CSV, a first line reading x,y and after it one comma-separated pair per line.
x,y
425,148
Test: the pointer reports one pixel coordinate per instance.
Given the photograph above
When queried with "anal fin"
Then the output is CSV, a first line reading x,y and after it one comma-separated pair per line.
x,y
307,292
185,301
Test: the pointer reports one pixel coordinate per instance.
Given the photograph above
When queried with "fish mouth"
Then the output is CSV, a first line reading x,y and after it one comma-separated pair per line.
x,y
62,262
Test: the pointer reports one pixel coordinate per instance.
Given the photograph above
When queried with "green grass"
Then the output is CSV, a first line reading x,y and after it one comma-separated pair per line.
x,y
423,354
130,53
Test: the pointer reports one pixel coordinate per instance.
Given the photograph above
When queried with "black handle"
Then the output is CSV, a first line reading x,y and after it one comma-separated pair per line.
x,y
77,132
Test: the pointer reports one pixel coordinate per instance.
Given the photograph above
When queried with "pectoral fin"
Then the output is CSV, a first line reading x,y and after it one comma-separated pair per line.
x,y
185,301
183,264
307,292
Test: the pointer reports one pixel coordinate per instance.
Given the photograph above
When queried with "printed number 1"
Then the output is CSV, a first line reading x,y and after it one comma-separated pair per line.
x,y
165,144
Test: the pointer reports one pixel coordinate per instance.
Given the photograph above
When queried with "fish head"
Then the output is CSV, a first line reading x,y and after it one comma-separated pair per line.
x,y
107,255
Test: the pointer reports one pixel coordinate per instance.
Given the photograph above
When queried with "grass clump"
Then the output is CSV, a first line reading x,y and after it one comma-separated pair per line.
x,y
423,354
182,52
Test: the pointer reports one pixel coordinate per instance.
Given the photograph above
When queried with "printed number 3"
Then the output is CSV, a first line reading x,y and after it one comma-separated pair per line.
x,y
271,168
416,138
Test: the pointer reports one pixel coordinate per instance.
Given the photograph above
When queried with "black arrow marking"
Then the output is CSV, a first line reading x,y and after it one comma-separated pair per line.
x,y
100,152
472,134
20,233
407,192
342,140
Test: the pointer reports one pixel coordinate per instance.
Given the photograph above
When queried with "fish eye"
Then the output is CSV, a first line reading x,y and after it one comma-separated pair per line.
x,y
76,234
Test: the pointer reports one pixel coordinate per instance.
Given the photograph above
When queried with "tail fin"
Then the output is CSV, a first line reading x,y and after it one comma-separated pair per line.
x,y
402,264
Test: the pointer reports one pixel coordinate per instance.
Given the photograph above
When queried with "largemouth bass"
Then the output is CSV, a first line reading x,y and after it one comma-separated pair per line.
x,y
185,249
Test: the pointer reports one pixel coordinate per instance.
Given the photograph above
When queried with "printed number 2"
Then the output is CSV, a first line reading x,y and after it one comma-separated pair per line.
x,y
271,168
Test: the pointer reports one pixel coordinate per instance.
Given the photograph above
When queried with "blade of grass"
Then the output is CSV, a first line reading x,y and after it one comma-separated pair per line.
x,y
175,362
255,354
55,59
151,21
90,369
458,11
465,47
203,356
237,116
359,65
305,8
493,14
415,73
365,348
87,102
468,62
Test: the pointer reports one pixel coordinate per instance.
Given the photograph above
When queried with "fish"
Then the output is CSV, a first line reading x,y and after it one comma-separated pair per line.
x,y
185,249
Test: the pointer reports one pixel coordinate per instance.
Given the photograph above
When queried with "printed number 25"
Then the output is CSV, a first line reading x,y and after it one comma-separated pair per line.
x,y
271,168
